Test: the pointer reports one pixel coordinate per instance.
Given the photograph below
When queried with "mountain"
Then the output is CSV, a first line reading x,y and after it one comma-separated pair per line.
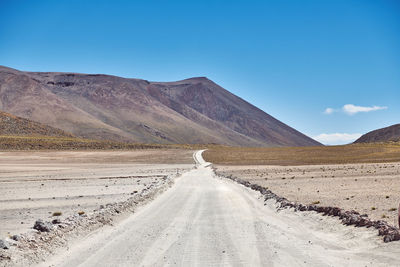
x,y
391,133
15,126
99,106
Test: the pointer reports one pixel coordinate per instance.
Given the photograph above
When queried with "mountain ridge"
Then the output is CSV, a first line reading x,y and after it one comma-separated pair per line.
x,y
386,134
99,106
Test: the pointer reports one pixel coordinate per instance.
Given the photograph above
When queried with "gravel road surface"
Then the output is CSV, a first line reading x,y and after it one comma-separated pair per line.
x,y
205,220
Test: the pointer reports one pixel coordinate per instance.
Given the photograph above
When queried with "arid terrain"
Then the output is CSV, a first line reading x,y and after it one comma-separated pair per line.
x,y
391,133
59,191
292,156
56,184
371,189
13,125
199,133
98,106
361,177
211,221
18,133
190,215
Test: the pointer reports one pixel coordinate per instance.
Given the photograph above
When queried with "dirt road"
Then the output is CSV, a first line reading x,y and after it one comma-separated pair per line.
x,y
204,220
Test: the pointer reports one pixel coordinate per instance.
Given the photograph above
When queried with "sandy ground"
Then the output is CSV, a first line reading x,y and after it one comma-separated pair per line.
x,y
34,185
204,220
372,189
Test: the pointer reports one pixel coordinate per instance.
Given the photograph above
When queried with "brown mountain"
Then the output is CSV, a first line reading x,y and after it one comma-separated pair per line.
x,y
16,126
97,106
391,133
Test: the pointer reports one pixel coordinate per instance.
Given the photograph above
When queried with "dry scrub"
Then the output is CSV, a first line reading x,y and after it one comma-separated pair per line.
x,y
14,142
8,142
356,153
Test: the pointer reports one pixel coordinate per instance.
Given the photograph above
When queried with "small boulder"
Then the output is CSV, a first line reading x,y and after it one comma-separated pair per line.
x,y
56,221
16,237
392,236
362,222
42,226
4,244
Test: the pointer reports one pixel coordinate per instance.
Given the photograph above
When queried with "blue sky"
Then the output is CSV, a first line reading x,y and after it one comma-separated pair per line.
x,y
322,67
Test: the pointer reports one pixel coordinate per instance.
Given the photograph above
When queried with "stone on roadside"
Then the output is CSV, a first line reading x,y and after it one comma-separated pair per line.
x,y
56,221
42,226
4,244
16,237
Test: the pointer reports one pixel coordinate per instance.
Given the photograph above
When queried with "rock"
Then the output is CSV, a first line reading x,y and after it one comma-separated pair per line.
x,y
302,207
42,226
334,211
362,222
391,236
342,214
398,218
353,219
16,238
312,208
4,244
56,221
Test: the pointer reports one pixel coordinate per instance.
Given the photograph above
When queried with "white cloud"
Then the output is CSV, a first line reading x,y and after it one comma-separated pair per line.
x,y
329,111
337,138
351,109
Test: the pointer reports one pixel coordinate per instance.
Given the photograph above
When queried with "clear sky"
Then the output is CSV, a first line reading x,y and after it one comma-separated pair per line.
x,y
330,69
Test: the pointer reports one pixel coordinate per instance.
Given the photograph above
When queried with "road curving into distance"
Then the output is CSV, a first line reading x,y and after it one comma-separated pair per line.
x,y
205,220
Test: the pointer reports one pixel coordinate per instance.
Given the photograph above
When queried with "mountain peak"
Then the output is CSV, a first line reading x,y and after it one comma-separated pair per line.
x,y
201,78
194,110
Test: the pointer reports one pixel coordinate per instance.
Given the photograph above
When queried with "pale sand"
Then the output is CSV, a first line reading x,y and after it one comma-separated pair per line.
x,y
372,189
34,185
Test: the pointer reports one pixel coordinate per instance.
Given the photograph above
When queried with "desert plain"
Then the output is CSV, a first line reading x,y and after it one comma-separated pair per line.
x,y
51,185
372,188
361,177
184,202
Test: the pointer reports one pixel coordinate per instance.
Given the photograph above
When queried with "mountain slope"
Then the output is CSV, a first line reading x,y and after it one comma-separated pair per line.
x,y
391,133
195,110
15,126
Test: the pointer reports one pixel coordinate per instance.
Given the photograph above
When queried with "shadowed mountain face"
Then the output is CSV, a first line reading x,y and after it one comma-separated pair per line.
x,y
391,133
195,110
16,126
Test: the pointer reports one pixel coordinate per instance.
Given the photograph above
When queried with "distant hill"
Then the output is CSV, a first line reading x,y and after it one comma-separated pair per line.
x,y
391,133
15,126
193,111
17,133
